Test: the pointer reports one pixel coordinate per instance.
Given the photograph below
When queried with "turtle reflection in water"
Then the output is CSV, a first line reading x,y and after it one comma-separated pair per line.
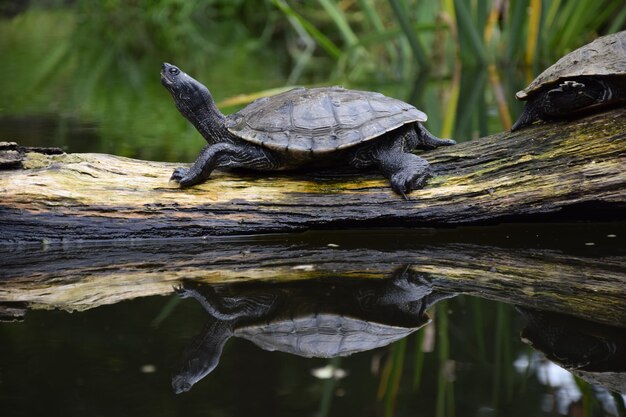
x,y
595,352
322,318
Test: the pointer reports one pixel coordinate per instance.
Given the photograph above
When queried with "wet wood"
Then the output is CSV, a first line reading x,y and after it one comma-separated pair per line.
x,y
581,283
560,170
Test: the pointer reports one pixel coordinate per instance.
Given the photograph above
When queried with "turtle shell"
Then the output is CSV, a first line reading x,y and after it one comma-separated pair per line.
x,y
605,56
320,120
325,335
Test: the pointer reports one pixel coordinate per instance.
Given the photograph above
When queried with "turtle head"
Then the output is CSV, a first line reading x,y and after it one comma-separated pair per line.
x,y
202,355
528,116
192,372
186,91
564,100
194,101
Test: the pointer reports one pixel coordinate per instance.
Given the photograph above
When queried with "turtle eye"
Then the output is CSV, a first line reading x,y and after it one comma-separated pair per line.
x,y
174,71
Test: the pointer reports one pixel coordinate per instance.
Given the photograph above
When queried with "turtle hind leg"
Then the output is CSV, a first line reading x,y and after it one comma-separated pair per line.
x,y
428,141
223,154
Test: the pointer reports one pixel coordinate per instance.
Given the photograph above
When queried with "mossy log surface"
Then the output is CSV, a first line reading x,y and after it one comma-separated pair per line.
x,y
586,285
564,170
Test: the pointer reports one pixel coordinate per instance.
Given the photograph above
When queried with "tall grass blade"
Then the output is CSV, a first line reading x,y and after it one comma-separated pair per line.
x,y
166,310
498,92
533,31
385,379
618,22
451,107
372,16
469,34
379,28
515,27
328,389
443,343
575,14
419,360
497,356
303,57
340,20
482,13
492,21
320,38
553,10
472,96
397,358
414,43
418,88
479,327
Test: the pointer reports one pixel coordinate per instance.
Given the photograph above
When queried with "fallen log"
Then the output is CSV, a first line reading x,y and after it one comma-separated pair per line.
x,y
571,170
582,281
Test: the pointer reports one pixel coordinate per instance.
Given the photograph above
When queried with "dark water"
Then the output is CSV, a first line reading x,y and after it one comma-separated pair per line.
x,y
122,354
113,361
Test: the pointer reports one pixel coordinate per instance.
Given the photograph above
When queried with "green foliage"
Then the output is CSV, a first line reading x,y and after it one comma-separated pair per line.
x,y
390,34
98,61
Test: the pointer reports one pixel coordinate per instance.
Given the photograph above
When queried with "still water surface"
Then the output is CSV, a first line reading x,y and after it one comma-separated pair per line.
x,y
133,341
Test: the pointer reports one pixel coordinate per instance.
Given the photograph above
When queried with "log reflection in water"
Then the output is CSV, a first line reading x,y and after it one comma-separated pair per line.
x,y
587,284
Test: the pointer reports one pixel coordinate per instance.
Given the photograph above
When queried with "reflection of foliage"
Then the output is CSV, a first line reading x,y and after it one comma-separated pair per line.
x,y
465,358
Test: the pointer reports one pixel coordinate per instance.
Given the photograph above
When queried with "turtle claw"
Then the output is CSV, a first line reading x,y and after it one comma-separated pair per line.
x,y
404,182
179,174
399,187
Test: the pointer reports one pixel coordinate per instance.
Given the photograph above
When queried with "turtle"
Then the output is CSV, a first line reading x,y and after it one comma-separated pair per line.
x,y
322,318
591,77
305,128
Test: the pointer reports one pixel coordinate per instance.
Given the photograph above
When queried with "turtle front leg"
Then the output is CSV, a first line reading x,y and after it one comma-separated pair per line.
x,y
223,154
406,171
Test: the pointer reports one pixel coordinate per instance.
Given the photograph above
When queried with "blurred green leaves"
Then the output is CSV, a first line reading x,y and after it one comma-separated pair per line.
x,y
97,61
390,33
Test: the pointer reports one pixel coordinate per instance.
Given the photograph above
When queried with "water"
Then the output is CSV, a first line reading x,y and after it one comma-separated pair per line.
x,y
111,361
117,352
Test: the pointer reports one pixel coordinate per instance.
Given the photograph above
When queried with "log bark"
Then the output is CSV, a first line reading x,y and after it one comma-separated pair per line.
x,y
79,277
561,170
